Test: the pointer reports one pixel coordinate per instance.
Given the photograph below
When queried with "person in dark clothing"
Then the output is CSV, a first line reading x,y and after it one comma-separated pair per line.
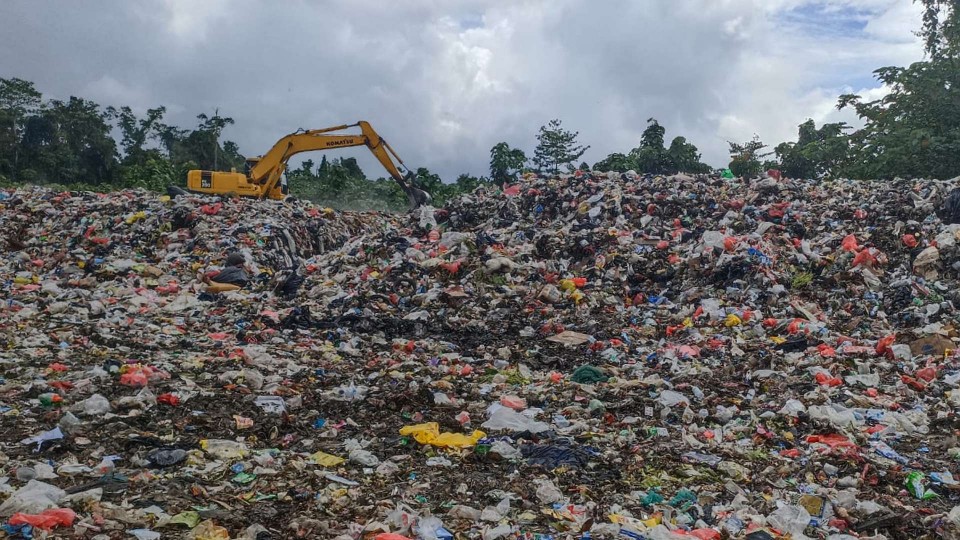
x,y
233,276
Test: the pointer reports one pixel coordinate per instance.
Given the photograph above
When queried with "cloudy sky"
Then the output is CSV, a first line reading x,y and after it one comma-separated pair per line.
x,y
444,80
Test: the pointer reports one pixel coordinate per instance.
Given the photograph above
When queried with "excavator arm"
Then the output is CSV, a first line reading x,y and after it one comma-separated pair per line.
x,y
266,172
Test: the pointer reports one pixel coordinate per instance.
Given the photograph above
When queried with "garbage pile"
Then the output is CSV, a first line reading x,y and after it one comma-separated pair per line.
x,y
583,356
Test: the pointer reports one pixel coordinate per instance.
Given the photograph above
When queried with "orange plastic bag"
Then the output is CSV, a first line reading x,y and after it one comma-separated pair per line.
x,y
46,520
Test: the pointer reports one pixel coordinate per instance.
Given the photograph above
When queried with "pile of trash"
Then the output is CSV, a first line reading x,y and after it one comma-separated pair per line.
x,y
583,356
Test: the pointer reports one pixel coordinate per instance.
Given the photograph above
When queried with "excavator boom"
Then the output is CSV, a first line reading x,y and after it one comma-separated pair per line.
x,y
264,178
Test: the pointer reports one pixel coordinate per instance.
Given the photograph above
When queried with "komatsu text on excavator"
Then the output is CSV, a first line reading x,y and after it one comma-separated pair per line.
x,y
264,175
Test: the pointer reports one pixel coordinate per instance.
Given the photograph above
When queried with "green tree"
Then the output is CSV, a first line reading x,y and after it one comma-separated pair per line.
x,y
136,132
746,157
615,162
68,142
505,162
556,147
653,135
684,157
652,158
432,184
18,101
915,129
467,183
816,153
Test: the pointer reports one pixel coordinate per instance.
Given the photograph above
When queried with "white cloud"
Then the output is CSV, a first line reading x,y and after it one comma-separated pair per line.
x,y
446,81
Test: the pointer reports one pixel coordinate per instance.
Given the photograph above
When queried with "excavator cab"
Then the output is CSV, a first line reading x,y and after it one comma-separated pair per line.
x,y
263,176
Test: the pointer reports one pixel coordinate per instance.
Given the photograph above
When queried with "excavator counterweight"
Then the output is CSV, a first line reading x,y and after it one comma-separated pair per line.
x,y
265,173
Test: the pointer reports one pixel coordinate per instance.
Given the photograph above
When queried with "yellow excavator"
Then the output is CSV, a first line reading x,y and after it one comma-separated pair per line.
x,y
264,175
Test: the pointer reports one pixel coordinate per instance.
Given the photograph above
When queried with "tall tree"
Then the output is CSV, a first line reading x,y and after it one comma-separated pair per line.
x,y
817,152
746,157
505,162
684,157
466,183
557,147
18,101
136,132
652,158
615,162
915,129
69,142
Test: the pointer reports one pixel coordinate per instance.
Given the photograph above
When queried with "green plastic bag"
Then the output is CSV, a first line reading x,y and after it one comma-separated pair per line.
x,y
914,485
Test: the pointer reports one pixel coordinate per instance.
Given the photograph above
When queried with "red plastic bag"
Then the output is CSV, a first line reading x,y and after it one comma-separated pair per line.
x,y
864,257
134,378
514,402
391,536
826,380
850,243
211,209
168,399
833,440
884,344
928,373
46,520
913,383
909,240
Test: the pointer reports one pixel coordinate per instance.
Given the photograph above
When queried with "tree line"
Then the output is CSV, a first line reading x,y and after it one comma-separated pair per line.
x,y
913,131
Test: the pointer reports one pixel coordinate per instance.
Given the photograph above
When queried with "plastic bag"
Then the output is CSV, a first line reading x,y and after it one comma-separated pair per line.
x,y
426,528
224,449
669,398
511,420
95,405
208,530
46,520
790,519
33,498
429,433
547,492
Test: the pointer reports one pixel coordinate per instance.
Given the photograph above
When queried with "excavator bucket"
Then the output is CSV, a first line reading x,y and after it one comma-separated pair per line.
x,y
416,196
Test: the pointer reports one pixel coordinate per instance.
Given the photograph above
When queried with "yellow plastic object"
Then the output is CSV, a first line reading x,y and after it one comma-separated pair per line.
x,y
208,530
133,218
731,321
326,460
215,287
429,433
